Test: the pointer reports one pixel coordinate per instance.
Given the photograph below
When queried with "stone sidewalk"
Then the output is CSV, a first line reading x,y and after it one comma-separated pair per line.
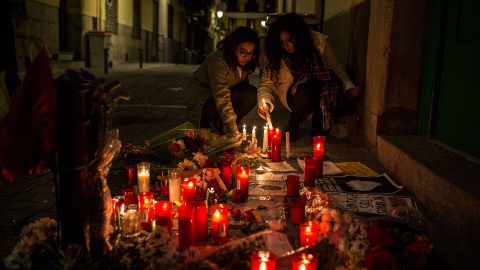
x,y
157,105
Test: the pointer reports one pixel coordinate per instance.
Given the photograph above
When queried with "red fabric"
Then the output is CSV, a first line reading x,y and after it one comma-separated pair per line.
x,y
27,134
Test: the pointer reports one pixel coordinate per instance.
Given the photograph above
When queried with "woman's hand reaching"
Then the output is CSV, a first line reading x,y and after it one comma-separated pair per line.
x,y
264,111
352,92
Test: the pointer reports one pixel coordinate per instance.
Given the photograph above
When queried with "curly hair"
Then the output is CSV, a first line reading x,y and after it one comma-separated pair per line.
x,y
304,46
241,35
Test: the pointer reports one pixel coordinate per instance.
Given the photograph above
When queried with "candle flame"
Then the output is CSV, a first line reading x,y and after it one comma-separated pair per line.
x,y
123,208
263,266
243,172
278,130
308,229
302,267
263,100
244,126
211,189
165,205
265,127
217,214
146,200
190,184
318,145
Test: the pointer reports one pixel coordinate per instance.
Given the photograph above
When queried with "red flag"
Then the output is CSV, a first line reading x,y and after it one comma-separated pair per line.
x,y
27,134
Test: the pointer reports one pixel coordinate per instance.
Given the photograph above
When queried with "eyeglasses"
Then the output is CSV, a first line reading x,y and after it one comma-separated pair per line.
x,y
245,54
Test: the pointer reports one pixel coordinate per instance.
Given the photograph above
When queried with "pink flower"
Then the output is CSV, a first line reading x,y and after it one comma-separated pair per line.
x,y
189,133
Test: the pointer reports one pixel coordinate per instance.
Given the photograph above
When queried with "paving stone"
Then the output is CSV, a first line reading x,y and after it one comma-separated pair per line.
x,y
23,196
42,197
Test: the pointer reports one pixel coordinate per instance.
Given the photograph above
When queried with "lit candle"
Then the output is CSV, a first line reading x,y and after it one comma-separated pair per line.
x,y
309,171
143,170
200,220
219,223
265,140
128,196
130,222
174,188
263,260
304,261
244,132
164,215
308,233
318,150
287,143
189,190
277,146
270,133
267,112
260,170
186,227
253,133
210,200
145,206
226,173
297,210
242,180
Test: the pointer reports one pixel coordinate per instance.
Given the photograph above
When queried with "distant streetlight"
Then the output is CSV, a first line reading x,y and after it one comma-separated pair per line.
x,y
219,14
262,23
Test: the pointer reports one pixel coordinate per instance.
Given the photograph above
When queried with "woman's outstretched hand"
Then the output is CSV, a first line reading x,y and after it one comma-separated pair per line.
x,y
352,92
263,111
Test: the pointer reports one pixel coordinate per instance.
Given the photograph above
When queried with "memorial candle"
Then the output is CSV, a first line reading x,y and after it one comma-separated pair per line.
x,y
263,260
130,177
318,151
128,196
277,146
265,140
304,261
242,180
292,184
219,223
244,132
309,171
297,210
270,133
254,135
186,227
287,143
174,187
226,173
200,220
164,215
145,206
189,190
143,175
308,233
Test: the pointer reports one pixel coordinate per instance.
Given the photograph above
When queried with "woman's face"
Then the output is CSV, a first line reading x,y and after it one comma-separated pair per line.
x,y
244,52
288,42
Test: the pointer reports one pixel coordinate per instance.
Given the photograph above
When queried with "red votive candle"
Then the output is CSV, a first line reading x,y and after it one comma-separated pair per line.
x,y
308,233
277,146
318,150
164,215
297,210
219,223
292,184
304,261
130,176
186,227
146,211
263,260
309,171
226,173
128,196
200,220
270,133
242,180
189,190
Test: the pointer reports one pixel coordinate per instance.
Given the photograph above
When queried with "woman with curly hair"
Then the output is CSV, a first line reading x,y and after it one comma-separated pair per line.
x,y
297,63
219,94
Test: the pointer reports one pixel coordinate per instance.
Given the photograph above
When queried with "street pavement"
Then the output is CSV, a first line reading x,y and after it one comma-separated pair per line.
x,y
157,105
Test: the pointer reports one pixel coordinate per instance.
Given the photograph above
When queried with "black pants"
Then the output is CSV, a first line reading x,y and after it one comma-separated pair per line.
x,y
305,100
244,99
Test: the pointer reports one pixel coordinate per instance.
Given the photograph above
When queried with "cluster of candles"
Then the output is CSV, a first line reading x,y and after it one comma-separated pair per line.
x,y
265,260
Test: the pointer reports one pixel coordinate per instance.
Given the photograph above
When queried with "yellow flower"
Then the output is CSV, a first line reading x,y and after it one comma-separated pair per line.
x,y
187,165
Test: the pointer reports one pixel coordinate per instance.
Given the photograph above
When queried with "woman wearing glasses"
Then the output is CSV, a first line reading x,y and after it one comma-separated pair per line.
x,y
296,69
219,94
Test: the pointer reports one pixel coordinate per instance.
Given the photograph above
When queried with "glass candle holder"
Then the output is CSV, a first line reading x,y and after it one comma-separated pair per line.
x,y
219,223
164,215
189,190
143,175
277,146
243,173
318,151
186,227
128,196
270,132
309,171
146,210
308,233
226,173
130,176
292,184
304,261
200,220
174,187
297,210
263,260
130,222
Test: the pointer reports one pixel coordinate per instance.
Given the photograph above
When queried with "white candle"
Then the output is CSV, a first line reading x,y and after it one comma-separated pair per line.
x,y
267,112
143,181
287,140
244,132
253,132
265,139
174,187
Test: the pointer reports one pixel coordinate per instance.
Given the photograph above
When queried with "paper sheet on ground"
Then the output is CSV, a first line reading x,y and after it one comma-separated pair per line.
x,y
268,188
280,167
356,169
328,167
278,243
371,203
381,184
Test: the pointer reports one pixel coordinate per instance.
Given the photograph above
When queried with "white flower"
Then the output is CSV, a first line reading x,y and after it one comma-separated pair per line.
x,y
200,158
181,143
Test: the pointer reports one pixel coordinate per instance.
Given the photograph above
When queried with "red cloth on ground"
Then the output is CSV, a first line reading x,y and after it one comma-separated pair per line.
x,y
27,134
